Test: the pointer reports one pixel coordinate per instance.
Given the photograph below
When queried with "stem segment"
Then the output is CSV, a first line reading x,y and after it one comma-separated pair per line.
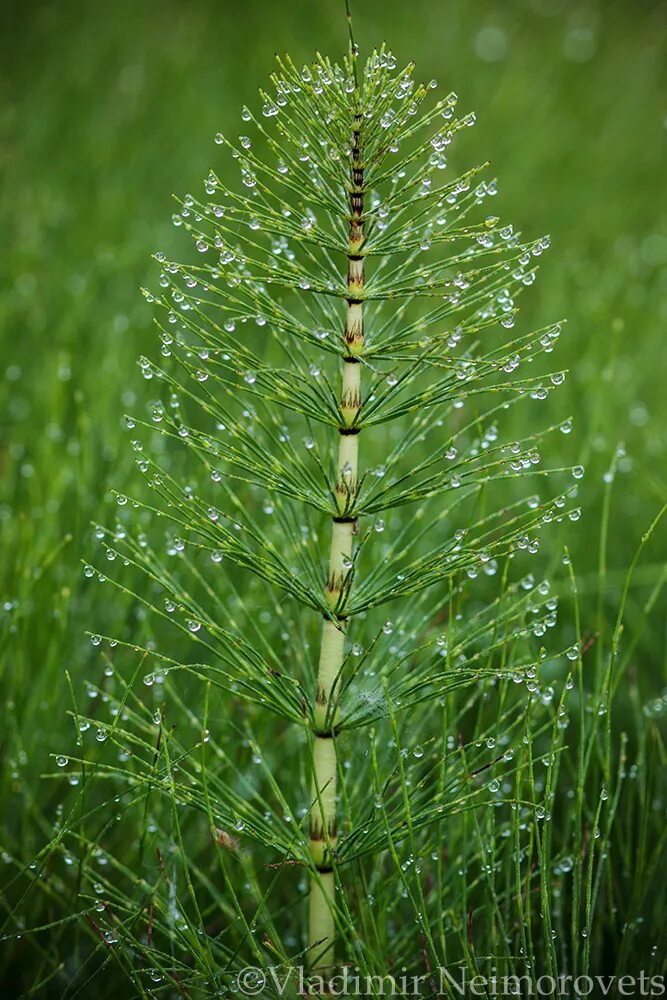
x,y
321,930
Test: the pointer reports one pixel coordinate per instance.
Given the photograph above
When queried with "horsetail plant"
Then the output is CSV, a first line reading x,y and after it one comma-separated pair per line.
x,y
334,368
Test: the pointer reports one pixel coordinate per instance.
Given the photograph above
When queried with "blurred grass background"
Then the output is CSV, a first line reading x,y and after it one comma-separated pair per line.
x,y
108,109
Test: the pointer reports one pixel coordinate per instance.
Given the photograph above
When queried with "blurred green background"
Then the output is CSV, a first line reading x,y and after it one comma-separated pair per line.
x,y
108,109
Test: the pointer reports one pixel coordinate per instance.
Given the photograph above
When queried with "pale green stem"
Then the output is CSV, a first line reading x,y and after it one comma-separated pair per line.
x,y
321,924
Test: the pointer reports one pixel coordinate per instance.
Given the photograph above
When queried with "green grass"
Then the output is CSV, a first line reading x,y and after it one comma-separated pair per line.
x,y
105,114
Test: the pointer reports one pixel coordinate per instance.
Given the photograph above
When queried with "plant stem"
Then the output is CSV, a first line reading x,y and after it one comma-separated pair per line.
x,y
321,930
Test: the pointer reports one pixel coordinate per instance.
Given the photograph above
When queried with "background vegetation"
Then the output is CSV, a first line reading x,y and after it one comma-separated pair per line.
x,y
106,111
